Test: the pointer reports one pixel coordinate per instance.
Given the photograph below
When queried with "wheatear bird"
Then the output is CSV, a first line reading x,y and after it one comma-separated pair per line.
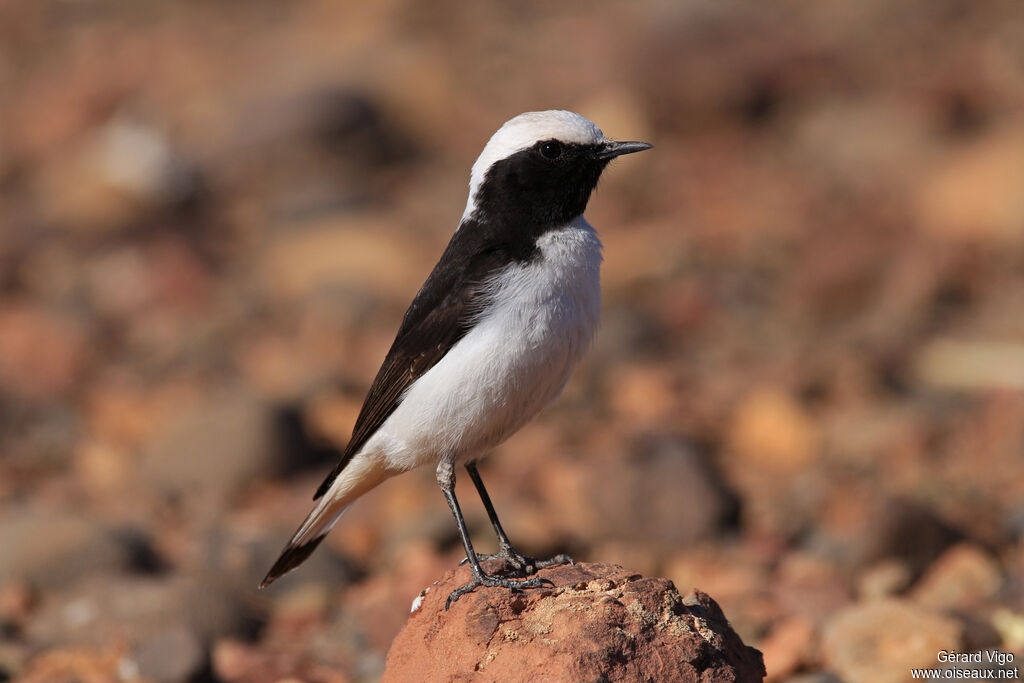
x,y
492,336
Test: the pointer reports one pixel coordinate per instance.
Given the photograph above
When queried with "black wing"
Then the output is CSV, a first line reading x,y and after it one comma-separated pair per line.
x,y
439,316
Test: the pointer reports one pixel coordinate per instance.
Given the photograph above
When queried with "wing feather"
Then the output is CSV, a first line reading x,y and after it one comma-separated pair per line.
x,y
439,316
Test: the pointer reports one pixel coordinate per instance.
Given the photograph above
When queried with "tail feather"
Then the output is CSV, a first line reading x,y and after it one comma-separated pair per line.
x,y
359,476
311,534
290,558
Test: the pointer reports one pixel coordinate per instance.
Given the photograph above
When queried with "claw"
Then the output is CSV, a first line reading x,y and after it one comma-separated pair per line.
x,y
521,564
514,580
514,585
483,557
556,560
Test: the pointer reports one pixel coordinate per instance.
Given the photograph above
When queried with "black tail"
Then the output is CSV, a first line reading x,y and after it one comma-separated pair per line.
x,y
291,557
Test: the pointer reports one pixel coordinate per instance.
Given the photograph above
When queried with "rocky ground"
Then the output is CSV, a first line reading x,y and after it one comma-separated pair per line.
x,y
806,398
596,622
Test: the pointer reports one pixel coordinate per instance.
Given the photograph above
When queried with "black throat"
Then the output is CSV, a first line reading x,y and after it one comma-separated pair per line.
x,y
526,195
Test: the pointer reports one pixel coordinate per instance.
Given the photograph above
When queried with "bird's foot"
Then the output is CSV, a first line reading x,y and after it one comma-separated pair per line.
x,y
521,565
488,581
561,558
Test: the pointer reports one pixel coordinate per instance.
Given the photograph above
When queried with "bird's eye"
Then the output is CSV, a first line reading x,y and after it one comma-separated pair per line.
x,y
552,149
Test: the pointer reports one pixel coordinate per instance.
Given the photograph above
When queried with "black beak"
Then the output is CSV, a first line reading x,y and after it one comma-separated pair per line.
x,y
610,150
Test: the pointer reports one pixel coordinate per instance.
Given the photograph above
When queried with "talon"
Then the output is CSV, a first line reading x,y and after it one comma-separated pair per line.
x,y
554,561
514,585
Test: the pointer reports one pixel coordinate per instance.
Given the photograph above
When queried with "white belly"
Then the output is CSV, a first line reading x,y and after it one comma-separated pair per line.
x,y
517,358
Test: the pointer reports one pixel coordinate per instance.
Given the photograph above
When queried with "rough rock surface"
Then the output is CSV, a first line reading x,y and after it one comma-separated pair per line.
x,y
600,623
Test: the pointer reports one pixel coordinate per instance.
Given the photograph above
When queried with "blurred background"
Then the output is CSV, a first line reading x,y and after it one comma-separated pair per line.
x,y
806,398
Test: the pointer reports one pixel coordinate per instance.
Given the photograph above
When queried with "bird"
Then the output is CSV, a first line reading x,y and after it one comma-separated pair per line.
x,y
490,339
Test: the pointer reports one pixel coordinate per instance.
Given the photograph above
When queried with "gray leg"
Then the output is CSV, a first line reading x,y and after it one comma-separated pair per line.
x,y
446,480
521,565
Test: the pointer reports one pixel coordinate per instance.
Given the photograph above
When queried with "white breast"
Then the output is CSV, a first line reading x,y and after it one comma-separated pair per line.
x,y
517,358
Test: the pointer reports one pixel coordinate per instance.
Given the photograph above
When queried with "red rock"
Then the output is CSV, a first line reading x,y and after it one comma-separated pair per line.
x,y
963,577
975,192
880,641
81,665
341,255
330,415
54,547
810,587
236,661
372,604
236,426
790,645
101,468
662,479
909,532
16,601
41,352
644,394
173,654
232,660
864,141
600,621
883,579
771,429
737,579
